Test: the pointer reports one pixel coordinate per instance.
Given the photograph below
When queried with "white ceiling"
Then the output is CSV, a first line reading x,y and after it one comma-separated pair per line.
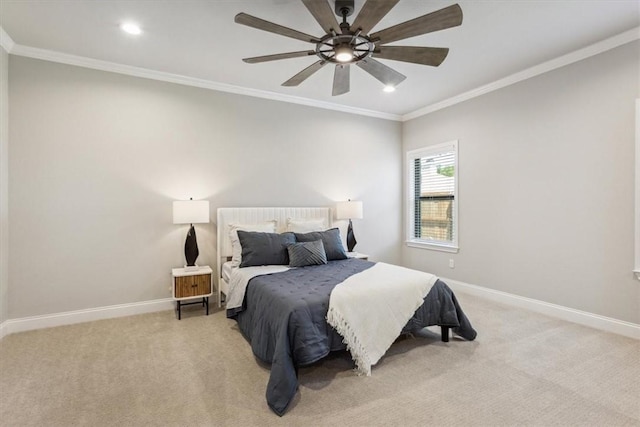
x,y
199,40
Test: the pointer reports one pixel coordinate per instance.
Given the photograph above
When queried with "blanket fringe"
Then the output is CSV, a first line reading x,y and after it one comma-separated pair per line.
x,y
355,347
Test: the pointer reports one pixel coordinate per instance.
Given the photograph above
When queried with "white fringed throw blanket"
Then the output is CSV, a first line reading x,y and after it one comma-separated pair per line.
x,y
369,309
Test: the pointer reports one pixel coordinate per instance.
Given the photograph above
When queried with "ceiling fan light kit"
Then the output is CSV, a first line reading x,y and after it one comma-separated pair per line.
x,y
344,53
345,44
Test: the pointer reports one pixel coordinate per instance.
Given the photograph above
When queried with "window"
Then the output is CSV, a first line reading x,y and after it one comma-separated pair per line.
x,y
433,197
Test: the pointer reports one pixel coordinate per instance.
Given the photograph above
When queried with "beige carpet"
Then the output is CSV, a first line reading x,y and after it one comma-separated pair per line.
x,y
153,370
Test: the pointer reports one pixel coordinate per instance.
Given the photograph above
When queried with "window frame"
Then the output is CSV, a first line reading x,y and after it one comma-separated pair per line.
x,y
411,240
636,268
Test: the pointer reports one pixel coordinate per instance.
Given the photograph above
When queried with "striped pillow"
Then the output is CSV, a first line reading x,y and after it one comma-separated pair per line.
x,y
307,253
330,239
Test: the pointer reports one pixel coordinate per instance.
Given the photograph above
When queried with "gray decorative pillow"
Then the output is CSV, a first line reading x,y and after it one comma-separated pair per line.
x,y
264,248
307,253
330,239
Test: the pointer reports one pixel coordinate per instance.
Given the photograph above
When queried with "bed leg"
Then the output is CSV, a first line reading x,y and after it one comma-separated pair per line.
x,y
445,333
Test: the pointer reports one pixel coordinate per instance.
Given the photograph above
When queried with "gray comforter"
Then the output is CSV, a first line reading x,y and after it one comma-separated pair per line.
x,y
284,318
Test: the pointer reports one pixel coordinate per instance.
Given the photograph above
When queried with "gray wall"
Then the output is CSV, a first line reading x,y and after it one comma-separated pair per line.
x,y
4,185
546,186
97,158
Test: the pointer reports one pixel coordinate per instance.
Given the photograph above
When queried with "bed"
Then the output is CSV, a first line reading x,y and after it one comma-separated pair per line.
x,y
294,316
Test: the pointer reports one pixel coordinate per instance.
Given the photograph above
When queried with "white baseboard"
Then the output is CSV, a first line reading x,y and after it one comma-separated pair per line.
x,y
596,321
70,317
3,329
608,324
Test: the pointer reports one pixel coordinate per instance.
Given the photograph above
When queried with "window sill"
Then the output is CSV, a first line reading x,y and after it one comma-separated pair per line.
x,y
637,273
433,246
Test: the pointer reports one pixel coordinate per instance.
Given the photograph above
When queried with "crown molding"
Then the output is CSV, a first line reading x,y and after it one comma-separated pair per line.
x,y
570,58
81,61
5,41
48,55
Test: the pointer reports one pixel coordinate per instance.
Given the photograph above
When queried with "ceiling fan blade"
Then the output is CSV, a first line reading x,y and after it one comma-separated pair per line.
x,y
323,14
418,55
371,13
439,20
275,57
341,79
304,74
388,76
261,24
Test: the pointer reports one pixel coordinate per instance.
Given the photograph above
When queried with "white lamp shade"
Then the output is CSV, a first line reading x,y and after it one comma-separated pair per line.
x,y
190,211
349,210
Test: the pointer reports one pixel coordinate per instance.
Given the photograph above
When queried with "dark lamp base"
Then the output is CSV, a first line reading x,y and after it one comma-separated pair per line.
x,y
351,238
191,248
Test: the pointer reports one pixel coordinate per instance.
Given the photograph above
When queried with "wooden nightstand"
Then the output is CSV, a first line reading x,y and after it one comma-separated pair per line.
x,y
357,255
190,284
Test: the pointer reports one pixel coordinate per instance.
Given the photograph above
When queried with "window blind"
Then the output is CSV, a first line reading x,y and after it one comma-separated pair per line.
x,y
433,195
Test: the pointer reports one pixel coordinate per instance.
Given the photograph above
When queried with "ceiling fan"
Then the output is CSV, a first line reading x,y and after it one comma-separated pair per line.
x,y
345,44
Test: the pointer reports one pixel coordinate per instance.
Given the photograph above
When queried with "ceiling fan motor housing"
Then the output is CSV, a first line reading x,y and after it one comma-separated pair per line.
x,y
344,7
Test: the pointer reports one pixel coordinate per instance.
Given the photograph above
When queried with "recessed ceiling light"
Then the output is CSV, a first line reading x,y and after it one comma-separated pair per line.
x,y
389,88
131,28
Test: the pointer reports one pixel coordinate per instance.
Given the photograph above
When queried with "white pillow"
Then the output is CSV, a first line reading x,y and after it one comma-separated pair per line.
x,y
236,248
305,225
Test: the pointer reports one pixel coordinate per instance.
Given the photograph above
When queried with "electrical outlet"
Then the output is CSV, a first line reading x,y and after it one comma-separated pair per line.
x,y
452,263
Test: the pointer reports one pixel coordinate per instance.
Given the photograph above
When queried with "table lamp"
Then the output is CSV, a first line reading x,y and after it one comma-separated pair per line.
x,y
349,210
191,212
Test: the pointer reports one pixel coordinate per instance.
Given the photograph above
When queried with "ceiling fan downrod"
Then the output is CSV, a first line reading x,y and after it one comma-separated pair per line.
x,y
347,47
344,8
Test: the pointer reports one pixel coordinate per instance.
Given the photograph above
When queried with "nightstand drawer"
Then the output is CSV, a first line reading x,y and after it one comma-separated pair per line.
x,y
193,286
